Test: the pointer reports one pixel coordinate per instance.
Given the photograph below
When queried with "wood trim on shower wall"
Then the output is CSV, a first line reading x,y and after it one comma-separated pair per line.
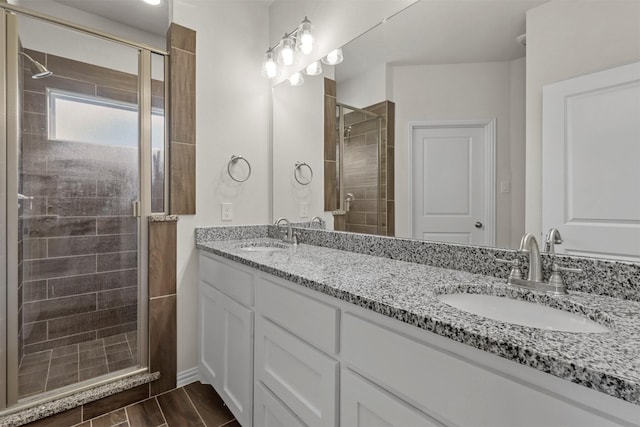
x,y
181,44
331,195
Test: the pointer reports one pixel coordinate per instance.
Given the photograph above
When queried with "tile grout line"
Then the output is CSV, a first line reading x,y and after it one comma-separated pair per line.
x,y
161,411
194,406
228,422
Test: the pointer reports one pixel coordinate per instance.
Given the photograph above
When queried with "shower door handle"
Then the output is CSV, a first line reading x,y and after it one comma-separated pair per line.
x,y
136,209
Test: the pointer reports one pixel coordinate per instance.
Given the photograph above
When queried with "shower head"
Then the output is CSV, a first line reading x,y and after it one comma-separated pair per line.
x,y
38,71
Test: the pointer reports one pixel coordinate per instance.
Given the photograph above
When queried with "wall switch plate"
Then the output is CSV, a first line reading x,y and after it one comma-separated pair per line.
x,y
227,211
304,210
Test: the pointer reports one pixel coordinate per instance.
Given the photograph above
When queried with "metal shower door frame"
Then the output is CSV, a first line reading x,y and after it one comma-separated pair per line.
x,y
9,119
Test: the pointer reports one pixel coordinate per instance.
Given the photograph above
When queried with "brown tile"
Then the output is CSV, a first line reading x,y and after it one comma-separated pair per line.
x,y
66,418
182,81
57,82
34,332
120,400
329,87
117,94
34,123
27,389
34,248
91,73
390,173
162,342
121,364
183,185
330,186
209,404
37,357
69,368
114,339
60,342
63,360
117,225
181,37
117,261
145,414
339,222
90,321
95,371
110,419
65,351
85,206
92,282
58,307
34,102
119,356
178,410
232,423
162,258
118,329
62,380
391,227
329,127
117,243
58,227
117,347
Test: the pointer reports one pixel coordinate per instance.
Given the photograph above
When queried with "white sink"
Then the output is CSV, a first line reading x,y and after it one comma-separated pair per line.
x,y
521,313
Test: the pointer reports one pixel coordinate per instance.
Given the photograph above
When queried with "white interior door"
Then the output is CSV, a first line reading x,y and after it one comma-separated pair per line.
x,y
451,181
590,158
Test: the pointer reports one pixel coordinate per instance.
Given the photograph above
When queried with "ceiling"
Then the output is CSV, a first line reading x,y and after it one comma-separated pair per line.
x,y
441,32
134,13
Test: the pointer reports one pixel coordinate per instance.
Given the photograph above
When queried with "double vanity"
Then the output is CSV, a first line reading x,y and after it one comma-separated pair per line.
x,y
354,330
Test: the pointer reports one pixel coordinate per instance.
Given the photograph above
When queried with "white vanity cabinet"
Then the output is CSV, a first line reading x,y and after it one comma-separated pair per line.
x,y
315,360
226,333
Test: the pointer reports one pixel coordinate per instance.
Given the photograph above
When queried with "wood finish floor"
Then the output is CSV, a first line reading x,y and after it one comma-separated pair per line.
x,y
195,404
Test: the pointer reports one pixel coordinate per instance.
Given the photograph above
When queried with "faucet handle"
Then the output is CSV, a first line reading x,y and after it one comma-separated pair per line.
x,y
515,272
556,278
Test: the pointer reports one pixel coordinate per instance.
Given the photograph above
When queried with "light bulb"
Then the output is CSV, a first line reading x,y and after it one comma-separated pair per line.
x,y
305,38
296,79
269,67
152,2
313,69
286,52
334,57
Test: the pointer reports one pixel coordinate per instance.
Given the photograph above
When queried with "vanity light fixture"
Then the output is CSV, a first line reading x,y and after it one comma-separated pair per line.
x,y
313,69
296,79
153,2
334,57
298,40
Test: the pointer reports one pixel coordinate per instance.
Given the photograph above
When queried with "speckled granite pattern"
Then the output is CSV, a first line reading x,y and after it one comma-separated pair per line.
x,y
163,218
602,277
233,232
607,362
73,401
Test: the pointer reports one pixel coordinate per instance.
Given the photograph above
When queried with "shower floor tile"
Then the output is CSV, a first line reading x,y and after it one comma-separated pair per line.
x,y
51,369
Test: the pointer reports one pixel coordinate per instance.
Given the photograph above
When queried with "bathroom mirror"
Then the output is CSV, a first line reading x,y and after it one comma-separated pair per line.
x,y
456,61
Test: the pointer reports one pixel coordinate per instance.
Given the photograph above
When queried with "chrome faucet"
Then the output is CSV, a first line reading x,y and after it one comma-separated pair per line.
x,y
553,238
289,235
529,245
319,220
534,281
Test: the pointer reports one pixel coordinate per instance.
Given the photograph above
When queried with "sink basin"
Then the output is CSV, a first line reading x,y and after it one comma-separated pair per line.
x,y
265,248
521,313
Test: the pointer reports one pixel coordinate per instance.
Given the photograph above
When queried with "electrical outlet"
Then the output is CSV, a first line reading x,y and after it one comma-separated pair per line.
x,y
227,211
505,186
304,210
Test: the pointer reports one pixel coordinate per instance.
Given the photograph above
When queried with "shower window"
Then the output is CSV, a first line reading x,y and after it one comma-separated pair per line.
x,y
87,119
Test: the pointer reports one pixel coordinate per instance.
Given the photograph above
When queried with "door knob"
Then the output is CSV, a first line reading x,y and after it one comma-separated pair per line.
x,y
478,224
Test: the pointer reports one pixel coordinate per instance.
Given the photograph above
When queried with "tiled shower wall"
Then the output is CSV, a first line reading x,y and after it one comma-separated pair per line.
x,y
372,210
79,236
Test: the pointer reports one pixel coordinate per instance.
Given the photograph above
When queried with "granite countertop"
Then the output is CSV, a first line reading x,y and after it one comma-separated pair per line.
x,y
607,362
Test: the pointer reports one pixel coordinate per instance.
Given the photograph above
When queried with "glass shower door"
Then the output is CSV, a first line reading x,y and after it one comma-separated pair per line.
x,y
77,181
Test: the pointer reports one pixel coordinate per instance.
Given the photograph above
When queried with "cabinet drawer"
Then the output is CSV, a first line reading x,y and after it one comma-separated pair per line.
x,y
452,389
363,404
301,376
269,411
308,318
227,278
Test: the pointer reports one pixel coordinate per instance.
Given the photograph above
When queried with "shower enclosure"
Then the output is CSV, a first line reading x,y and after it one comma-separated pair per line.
x,y
84,155
362,169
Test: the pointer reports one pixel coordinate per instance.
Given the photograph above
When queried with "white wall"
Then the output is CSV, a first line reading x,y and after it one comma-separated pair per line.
x,y
452,92
336,22
232,117
567,39
298,129
366,89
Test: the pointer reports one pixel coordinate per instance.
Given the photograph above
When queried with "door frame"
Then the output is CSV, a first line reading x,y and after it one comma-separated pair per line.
x,y
489,184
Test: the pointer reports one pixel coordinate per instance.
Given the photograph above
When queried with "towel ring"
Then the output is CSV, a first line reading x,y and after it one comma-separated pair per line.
x,y
233,160
298,168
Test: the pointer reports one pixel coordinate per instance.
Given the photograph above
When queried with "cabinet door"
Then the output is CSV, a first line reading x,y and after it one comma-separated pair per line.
x,y
362,404
300,375
226,350
269,411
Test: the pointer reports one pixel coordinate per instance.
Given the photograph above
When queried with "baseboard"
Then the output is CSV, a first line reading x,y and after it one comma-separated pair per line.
x,y
187,377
